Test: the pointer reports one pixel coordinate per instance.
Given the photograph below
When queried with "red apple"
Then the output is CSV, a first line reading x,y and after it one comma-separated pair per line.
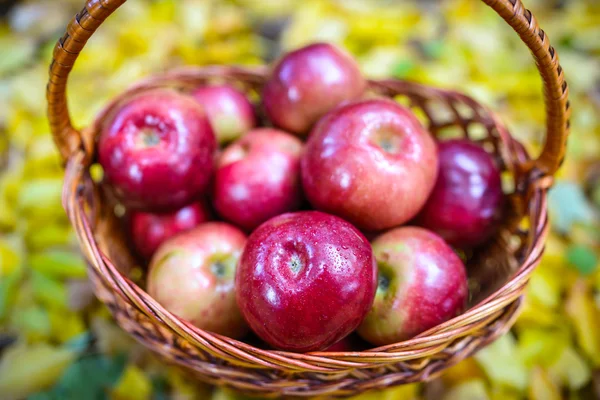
x,y
258,177
371,163
192,275
305,280
422,283
466,203
150,230
229,111
350,343
157,151
307,83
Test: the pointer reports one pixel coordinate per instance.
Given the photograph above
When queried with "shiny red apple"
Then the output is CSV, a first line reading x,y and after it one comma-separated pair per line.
x,y
371,163
307,83
157,151
466,203
258,177
422,283
150,230
230,112
192,275
305,280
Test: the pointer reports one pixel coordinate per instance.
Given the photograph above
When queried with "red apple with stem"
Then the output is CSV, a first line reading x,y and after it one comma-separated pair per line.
x,y
230,112
258,177
422,283
371,163
305,280
157,151
192,275
150,230
307,83
465,205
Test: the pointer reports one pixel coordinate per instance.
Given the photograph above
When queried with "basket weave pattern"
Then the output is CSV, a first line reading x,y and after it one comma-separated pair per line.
x,y
499,272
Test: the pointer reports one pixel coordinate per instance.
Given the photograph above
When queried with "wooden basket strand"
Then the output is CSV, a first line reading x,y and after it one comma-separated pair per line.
x,y
503,266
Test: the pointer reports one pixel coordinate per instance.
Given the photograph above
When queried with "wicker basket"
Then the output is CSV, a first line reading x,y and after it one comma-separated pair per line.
x,y
499,272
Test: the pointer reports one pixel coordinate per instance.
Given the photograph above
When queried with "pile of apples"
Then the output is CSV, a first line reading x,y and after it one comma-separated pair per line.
x,y
263,224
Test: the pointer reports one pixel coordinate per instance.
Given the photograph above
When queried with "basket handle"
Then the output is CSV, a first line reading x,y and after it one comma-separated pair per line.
x,y
69,140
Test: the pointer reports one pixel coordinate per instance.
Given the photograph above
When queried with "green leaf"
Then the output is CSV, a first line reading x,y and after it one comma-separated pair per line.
x,y
8,288
81,342
59,263
582,258
48,291
403,68
90,377
159,388
15,53
568,205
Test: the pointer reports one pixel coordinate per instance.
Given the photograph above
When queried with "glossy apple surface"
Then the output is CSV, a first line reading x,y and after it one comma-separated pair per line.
x,y
307,83
305,280
150,230
466,203
422,283
157,151
192,275
371,163
258,177
230,112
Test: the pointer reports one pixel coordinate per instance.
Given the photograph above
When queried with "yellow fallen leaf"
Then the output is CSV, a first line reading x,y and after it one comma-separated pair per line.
x,y
133,385
470,390
502,363
541,387
28,369
585,318
570,369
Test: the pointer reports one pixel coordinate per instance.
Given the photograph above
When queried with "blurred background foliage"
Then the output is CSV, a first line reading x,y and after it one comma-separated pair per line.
x,y
58,342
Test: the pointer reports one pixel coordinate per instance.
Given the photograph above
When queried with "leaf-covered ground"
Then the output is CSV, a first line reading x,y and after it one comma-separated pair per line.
x,y
58,342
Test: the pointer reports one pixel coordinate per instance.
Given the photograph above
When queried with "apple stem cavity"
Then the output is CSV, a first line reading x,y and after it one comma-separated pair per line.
x,y
387,141
149,137
218,268
383,283
295,264
223,265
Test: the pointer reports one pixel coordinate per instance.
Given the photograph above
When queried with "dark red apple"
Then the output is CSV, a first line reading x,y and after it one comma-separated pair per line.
x,y
307,83
350,343
371,163
422,283
150,230
305,280
466,202
192,275
258,177
157,151
230,112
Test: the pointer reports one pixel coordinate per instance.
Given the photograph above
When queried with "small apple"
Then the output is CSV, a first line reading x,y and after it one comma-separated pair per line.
x,y
150,230
371,163
465,205
258,177
157,151
307,83
305,280
192,275
230,112
422,283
